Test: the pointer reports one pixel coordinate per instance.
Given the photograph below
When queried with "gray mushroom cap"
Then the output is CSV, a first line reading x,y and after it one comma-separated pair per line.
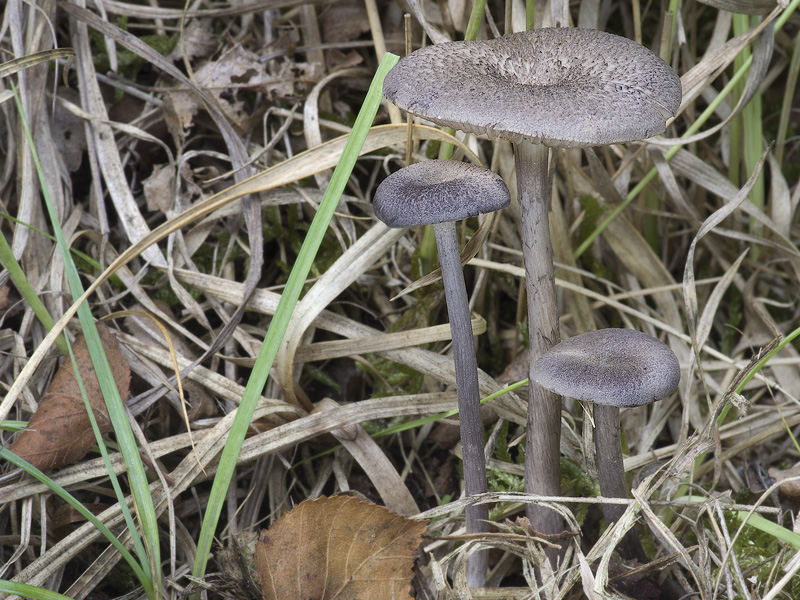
x,y
556,86
436,191
617,367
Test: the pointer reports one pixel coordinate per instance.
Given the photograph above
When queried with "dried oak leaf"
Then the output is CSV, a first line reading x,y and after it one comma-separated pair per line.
x,y
338,548
59,432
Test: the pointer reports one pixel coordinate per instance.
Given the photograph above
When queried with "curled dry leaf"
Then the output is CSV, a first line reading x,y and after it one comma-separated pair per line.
x,y
236,69
59,432
338,548
159,188
790,484
198,40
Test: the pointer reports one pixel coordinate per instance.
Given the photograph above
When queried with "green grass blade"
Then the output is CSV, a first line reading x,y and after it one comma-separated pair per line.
x,y
9,425
751,128
143,502
787,12
84,512
98,436
52,238
777,531
283,313
447,414
788,101
29,591
475,19
26,290
755,520
762,363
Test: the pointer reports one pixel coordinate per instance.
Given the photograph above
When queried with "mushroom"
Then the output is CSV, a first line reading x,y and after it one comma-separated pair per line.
x,y
552,87
439,193
613,369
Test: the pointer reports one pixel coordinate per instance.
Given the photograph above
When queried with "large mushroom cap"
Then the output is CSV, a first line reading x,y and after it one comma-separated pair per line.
x,y
617,367
436,191
556,86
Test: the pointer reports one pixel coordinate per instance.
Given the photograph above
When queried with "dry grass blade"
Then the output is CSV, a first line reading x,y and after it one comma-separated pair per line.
x,y
351,265
376,465
750,7
670,542
105,148
312,161
780,200
115,7
470,250
31,60
439,367
577,304
695,80
689,288
381,343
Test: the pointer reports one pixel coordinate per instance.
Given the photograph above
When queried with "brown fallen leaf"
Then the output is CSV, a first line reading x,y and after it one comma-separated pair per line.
x,y
63,519
790,486
338,548
158,188
59,432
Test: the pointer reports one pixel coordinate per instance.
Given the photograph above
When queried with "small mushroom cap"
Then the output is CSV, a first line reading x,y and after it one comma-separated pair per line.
x,y
556,86
617,367
436,191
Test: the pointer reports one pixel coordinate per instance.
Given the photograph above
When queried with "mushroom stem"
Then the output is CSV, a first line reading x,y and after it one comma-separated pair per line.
x,y
542,446
611,473
469,402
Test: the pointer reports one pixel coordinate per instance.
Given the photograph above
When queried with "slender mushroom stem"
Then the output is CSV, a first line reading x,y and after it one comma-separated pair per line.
x,y
542,446
469,402
611,473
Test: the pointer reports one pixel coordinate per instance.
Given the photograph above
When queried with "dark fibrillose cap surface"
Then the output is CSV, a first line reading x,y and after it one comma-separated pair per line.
x,y
617,367
436,191
556,86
